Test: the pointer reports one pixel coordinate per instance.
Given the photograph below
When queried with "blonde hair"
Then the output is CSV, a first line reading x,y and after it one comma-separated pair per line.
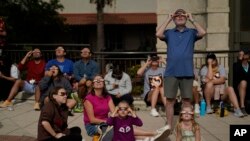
x,y
195,125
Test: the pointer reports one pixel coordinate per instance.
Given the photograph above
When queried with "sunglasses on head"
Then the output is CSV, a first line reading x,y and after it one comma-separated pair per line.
x,y
187,112
62,94
123,108
98,80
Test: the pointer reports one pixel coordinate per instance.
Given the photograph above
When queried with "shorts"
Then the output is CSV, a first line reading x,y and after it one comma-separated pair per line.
x,y
29,88
218,91
171,85
92,129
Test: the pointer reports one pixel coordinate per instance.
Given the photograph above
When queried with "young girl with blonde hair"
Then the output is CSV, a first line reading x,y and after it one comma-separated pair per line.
x,y
187,129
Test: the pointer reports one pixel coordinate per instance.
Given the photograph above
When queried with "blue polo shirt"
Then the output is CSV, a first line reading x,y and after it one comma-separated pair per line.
x,y
89,69
180,52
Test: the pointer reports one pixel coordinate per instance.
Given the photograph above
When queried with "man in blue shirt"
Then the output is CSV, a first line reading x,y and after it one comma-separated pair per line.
x,y
85,69
65,65
179,71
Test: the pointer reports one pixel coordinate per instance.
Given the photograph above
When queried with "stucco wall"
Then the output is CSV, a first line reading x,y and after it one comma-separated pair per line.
x,y
119,6
213,15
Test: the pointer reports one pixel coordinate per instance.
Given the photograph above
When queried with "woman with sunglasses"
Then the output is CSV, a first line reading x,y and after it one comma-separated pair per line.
x,y
187,129
52,125
97,106
54,78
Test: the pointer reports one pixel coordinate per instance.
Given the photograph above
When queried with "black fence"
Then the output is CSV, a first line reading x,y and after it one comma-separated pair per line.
x,y
129,60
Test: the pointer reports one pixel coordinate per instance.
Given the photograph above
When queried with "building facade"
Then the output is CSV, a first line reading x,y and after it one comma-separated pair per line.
x,y
129,24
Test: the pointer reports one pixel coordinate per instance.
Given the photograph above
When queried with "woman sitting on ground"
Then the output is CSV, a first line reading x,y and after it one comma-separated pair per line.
x,y
52,125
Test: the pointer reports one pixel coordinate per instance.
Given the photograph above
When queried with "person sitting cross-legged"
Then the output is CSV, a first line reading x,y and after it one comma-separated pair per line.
x,y
214,77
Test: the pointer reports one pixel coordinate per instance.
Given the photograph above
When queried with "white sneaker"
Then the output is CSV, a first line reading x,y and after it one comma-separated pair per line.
x,y
197,109
163,133
209,110
238,113
154,113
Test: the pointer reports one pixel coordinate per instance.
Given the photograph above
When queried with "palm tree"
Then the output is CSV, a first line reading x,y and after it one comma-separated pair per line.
x,y
100,4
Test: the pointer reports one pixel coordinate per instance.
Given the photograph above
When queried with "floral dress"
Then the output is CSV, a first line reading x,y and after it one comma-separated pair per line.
x,y
187,135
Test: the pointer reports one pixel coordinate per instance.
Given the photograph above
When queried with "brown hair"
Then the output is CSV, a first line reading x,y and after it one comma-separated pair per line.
x,y
104,92
51,98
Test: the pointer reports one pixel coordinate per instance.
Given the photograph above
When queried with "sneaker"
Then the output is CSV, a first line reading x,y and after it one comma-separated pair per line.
x,y
36,106
154,113
75,97
78,110
238,113
209,110
107,134
243,110
6,103
197,109
162,133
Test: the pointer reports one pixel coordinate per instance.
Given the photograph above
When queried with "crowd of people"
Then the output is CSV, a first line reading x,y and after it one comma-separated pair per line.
x,y
107,100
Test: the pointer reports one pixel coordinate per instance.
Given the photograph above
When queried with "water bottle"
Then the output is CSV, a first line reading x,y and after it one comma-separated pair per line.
x,y
202,107
222,109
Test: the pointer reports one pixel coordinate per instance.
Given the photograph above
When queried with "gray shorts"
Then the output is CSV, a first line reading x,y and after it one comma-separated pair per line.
x,y
171,85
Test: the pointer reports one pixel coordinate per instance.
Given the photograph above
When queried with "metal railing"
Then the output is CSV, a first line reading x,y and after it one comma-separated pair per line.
x,y
126,59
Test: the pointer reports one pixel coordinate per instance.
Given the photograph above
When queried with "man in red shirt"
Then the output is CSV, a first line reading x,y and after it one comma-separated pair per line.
x,y
34,65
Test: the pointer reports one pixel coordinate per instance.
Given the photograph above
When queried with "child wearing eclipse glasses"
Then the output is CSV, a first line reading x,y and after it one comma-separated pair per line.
x,y
123,119
187,129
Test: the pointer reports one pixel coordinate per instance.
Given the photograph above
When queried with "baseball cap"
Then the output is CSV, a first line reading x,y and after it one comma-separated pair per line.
x,y
154,57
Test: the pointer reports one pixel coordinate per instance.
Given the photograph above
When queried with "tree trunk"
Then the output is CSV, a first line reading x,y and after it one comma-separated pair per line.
x,y
100,33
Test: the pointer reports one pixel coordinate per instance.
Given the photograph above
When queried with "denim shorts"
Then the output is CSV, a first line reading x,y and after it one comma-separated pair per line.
x,y
92,129
29,88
